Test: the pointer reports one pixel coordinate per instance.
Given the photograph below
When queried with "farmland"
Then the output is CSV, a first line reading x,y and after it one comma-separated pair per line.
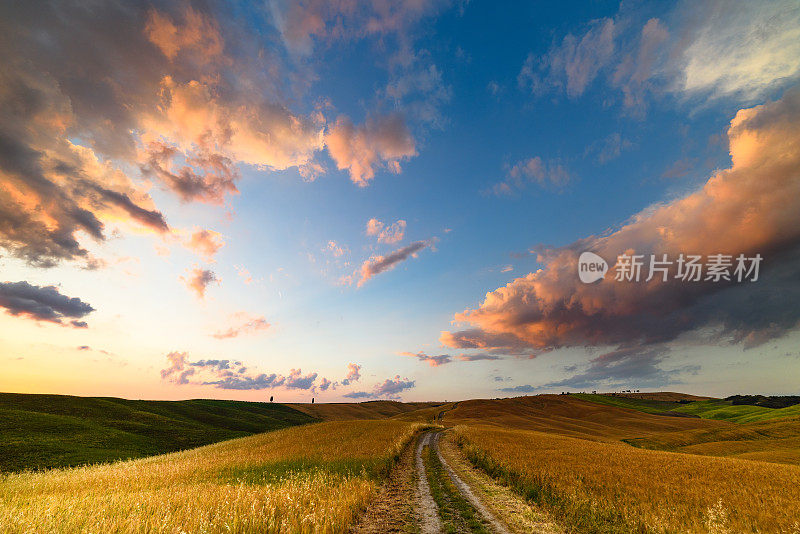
x,y
303,479
44,431
545,463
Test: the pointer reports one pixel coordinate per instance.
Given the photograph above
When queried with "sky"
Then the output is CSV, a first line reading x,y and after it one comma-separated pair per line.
x,y
354,200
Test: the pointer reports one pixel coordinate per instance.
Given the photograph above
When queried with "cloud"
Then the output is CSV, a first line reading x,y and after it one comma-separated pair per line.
x,y
353,374
519,389
378,264
185,103
631,366
177,372
749,208
391,387
358,395
609,148
391,234
335,249
380,141
42,303
738,48
198,280
635,71
198,33
715,49
477,357
242,323
244,274
296,380
304,22
433,361
325,384
545,174
206,243
573,63
230,374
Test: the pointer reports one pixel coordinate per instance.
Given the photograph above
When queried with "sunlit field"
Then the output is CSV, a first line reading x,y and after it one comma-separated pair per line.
x,y
314,478
612,487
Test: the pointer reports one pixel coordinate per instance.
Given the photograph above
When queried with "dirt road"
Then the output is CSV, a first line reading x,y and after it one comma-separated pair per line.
x,y
463,511
434,489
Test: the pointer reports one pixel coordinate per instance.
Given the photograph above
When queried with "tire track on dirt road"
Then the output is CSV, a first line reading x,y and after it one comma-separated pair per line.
x,y
468,494
428,512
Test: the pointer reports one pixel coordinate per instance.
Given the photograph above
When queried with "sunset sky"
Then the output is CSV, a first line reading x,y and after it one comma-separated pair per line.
x,y
387,199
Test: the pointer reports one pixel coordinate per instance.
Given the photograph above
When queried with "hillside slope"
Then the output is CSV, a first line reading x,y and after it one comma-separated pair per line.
x,y
43,431
346,411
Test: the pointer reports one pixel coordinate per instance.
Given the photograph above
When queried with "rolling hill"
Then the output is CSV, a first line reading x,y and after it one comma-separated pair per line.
x,y
43,431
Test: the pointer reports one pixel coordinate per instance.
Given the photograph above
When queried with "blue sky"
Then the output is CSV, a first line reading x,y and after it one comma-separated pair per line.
x,y
498,142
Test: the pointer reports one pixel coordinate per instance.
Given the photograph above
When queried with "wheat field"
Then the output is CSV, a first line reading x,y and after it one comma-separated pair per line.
x,y
314,478
612,487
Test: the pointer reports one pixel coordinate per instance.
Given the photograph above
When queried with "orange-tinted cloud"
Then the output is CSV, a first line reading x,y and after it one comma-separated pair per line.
x,y
303,22
394,233
197,32
206,243
353,374
750,208
242,323
198,280
381,142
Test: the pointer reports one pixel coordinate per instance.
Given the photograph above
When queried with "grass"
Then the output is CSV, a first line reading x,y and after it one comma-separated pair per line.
x,y
46,431
716,409
613,488
723,410
312,478
642,405
456,512
570,416
346,411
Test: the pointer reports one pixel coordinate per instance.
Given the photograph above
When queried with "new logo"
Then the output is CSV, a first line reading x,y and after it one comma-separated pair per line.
x,y
591,267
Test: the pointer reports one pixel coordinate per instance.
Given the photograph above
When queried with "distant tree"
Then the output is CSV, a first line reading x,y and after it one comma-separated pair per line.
x,y
312,400
270,398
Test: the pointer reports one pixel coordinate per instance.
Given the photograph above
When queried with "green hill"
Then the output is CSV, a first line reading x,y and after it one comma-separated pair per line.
x,y
43,431
740,413
642,405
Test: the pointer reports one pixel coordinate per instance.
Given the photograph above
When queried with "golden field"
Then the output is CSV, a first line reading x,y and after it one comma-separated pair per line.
x,y
314,478
600,486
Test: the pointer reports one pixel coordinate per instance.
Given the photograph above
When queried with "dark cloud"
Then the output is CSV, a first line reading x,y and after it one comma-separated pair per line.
x,y
359,395
478,357
208,178
391,387
433,361
230,374
42,303
379,264
634,367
